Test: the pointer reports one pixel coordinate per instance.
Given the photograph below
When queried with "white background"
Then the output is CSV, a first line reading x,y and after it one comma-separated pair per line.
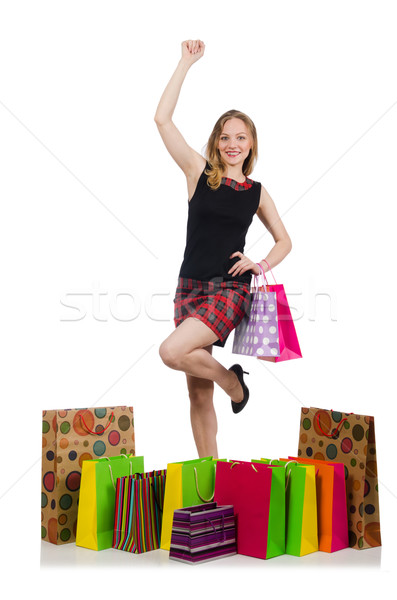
x,y
93,216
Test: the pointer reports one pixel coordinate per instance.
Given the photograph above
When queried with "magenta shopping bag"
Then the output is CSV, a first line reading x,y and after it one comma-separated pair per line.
x,y
288,340
257,493
257,334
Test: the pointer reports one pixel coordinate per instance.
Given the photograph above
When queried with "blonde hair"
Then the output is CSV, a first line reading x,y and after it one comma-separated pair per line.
x,y
217,165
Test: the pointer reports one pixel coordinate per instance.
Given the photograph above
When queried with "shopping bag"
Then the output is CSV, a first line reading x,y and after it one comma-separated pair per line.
x,y
349,439
95,517
331,504
258,333
69,437
257,493
301,536
139,512
288,340
188,483
203,532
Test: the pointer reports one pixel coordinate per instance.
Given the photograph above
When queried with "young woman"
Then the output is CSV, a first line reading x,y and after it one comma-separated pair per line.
x,y
213,292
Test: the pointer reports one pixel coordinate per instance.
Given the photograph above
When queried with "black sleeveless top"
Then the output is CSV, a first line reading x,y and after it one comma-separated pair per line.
x,y
218,221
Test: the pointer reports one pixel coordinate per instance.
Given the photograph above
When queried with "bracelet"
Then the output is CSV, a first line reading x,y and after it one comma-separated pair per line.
x,y
262,270
265,261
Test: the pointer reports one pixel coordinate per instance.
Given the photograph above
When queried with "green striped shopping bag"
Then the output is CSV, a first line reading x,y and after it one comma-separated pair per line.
x,y
139,512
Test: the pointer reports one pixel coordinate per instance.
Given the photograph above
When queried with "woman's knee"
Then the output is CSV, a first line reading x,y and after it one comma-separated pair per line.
x,y
170,355
201,397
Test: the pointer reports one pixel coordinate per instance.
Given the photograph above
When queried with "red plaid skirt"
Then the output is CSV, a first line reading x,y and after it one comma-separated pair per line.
x,y
221,305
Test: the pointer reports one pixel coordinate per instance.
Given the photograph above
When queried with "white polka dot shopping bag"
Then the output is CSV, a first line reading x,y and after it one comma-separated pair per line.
x,y
258,334
268,332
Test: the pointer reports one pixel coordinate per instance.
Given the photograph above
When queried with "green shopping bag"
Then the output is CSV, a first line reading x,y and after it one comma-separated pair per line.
x,y
301,507
188,483
95,517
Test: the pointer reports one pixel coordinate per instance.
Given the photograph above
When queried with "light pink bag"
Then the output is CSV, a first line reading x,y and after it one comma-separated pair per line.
x,y
257,334
288,340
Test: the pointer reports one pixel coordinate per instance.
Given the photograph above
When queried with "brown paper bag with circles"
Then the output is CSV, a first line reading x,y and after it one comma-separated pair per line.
x,y
348,438
69,437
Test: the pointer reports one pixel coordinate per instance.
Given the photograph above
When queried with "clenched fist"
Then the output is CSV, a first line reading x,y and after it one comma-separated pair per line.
x,y
192,50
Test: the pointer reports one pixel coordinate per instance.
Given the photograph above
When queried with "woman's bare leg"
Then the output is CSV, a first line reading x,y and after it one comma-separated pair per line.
x,y
183,350
202,413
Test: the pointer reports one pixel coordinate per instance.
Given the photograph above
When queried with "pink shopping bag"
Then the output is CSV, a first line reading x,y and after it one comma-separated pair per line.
x,y
257,492
288,340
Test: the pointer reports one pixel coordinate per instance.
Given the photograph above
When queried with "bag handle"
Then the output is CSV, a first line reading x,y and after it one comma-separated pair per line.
x,y
155,497
263,270
237,463
336,429
97,432
289,472
110,468
257,278
198,491
139,477
125,456
223,528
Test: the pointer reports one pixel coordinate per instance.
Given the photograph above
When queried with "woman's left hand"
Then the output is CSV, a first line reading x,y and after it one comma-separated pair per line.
x,y
243,265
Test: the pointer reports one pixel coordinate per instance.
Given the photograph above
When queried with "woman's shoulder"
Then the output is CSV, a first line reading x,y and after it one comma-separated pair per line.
x,y
253,184
256,185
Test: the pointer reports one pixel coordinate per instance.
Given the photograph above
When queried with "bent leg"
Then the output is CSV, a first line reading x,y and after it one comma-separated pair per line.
x,y
202,413
183,350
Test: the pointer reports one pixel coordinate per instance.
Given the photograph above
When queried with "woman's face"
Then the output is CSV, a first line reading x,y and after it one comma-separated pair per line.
x,y
234,142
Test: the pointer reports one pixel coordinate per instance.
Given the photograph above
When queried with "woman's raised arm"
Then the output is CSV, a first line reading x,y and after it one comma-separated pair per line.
x,y
188,159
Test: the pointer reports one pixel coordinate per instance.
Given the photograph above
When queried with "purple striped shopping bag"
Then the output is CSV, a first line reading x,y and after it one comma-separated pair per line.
x,y
203,532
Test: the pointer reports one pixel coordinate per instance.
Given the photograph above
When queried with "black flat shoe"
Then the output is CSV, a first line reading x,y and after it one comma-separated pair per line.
x,y
238,406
